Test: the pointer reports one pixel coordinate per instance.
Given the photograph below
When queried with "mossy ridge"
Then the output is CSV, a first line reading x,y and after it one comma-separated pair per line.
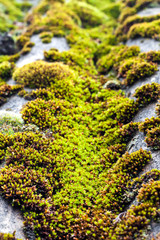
x,y
131,25
89,15
148,124
130,64
88,137
150,30
115,56
123,29
147,93
23,147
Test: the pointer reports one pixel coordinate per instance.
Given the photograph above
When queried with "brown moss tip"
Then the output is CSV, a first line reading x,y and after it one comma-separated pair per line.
x,y
43,74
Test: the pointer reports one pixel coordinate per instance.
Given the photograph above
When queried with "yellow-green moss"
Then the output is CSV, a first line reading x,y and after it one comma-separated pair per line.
x,y
9,12
89,15
43,74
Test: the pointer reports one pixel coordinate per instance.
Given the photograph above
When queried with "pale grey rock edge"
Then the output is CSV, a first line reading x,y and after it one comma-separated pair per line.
x,y
137,141
149,12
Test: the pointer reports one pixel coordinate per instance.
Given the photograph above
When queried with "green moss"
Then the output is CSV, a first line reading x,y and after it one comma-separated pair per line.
x,y
21,41
148,124
147,94
7,91
6,69
43,74
67,167
89,15
46,34
128,11
135,69
123,29
115,56
152,138
150,30
112,10
149,193
9,12
5,236
152,56
46,37
27,48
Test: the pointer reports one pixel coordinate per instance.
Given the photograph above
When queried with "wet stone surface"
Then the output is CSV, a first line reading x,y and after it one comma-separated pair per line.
x,y
14,104
37,50
10,219
137,142
145,44
149,12
147,112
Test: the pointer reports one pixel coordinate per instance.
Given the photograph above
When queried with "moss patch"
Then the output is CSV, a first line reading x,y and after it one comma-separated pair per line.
x,y
42,74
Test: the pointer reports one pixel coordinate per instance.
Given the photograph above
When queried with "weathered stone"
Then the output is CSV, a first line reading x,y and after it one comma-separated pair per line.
x,y
7,44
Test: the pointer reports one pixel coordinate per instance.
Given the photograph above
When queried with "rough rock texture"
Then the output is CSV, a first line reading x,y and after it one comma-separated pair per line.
x,y
144,44
10,219
37,51
149,12
7,45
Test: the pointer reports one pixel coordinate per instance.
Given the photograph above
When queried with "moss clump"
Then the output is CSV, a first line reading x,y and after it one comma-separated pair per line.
x,y
115,56
148,124
152,56
153,138
128,11
89,15
126,132
43,74
6,69
11,58
147,93
27,48
123,29
74,58
149,193
46,37
158,108
41,112
45,94
132,163
150,30
58,24
135,69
